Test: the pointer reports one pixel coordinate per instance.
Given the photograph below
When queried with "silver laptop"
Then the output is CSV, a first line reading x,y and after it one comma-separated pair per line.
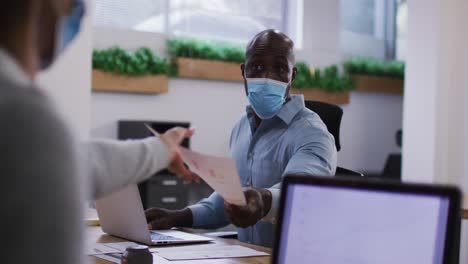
x,y
121,214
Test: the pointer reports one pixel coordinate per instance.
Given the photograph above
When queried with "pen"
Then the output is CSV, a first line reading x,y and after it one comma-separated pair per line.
x,y
156,134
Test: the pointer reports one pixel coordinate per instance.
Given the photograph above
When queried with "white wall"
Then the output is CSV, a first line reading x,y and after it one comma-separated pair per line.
x,y
369,122
68,81
212,107
436,115
368,130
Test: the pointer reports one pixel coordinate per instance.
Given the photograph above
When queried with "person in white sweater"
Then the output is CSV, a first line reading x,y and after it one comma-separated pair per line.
x,y
46,175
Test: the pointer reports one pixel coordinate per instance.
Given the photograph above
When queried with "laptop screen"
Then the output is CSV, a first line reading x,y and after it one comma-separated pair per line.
x,y
329,224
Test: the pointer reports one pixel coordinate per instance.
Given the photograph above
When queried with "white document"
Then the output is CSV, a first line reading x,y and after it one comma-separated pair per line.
x,y
219,173
114,258
208,252
121,246
106,248
222,234
98,249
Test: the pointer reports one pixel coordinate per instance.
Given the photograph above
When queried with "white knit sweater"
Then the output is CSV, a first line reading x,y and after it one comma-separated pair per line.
x,y
46,176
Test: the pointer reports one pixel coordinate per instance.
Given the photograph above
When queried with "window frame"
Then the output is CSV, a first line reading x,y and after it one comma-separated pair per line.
x,y
382,44
291,24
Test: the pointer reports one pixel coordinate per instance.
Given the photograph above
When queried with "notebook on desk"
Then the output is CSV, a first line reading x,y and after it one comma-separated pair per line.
x,y
329,220
91,217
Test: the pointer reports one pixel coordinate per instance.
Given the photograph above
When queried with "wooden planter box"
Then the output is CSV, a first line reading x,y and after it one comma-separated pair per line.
x,y
208,69
376,84
314,94
112,82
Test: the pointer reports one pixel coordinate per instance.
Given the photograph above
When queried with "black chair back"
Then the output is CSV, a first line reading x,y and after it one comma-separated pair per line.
x,y
347,173
331,115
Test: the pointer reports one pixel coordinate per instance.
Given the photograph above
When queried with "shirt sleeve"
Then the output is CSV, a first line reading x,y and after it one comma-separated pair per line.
x,y
317,156
209,213
114,164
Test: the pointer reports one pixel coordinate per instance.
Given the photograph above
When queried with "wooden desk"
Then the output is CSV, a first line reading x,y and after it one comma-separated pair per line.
x,y
95,234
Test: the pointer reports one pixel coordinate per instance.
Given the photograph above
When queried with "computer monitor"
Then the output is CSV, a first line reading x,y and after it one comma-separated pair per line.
x,y
329,220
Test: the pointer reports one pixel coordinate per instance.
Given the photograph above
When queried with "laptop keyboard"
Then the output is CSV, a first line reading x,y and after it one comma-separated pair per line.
x,y
160,237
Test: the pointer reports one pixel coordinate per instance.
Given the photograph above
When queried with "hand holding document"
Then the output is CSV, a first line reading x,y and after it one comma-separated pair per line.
x,y
172,139
219,173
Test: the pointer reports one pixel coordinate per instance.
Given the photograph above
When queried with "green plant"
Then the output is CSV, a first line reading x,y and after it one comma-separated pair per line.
x,y
208,50
328,80
370,66
141,62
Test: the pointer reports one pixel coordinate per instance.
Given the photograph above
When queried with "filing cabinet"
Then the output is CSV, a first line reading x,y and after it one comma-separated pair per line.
x,y
166,191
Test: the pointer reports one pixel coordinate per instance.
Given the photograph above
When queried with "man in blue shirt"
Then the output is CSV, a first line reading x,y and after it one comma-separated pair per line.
x,y
277,136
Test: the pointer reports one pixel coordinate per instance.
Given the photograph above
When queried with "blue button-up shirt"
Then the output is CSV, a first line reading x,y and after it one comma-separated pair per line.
x,y
295,141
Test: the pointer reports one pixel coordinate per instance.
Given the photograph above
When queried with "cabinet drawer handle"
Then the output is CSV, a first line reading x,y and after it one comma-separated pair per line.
x,y
169,199
169,182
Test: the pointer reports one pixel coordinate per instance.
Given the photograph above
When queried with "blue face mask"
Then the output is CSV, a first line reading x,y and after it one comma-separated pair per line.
x,y
266,96
68,29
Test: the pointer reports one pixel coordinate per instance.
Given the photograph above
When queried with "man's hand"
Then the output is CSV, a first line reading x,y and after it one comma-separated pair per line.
x,y
172,139
258,205
159,218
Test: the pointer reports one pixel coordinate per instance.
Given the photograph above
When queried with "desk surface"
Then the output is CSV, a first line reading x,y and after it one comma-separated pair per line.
x,y
95,234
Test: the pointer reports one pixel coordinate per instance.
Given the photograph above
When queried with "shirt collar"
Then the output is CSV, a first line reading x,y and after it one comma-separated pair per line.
x,y
10,70
291,108
287,112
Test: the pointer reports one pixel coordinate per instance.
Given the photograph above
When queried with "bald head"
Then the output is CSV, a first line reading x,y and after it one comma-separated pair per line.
x,y
271,42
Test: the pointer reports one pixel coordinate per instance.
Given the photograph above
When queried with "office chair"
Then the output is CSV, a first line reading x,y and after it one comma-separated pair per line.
x,y
392,169
331,115
347,173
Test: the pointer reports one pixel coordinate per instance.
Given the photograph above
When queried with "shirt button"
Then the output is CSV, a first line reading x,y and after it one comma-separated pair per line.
x,y
251,155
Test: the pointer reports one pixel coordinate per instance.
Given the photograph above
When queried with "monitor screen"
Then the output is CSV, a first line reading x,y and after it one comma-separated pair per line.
x,y
328,224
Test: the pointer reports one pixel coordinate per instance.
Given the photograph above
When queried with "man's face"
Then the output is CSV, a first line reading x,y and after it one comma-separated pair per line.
x,y
271,66
270,56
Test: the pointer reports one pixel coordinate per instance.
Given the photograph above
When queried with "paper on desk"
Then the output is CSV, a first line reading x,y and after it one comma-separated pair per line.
x,y
98,249
116,258
209,252
122,246
219,173
106,248
112,257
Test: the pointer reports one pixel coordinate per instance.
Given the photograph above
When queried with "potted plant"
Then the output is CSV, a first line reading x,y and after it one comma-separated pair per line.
x,y
326,86
206,60
372,75
118,70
